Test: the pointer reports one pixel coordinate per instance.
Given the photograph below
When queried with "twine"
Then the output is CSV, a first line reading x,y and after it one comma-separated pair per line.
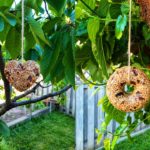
x,y
22,31
129,38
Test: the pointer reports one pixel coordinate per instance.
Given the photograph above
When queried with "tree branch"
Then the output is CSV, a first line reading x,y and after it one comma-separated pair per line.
x,y
26,93
34,100
46,9
93,11
6,83
3,109
38,84
44,86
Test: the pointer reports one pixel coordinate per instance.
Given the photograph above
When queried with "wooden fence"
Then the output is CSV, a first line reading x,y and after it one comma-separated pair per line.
x,y
83,105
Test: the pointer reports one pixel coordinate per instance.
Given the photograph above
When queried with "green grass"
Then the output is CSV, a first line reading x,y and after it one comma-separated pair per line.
x,y
140,142
54,131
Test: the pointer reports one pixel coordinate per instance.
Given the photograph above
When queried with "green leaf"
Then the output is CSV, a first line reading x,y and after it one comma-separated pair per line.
x,y
49,25
95,71
4,129
9,18
35,4
101,101
32,54
90,3
39,50
132,126
57,73
46,61
83,10
146,32
13,42
120,26
37,31
68,60
6,3
82,29
107,144
103,128
105,123
128,88
29,40
99,137
146,118
115,10
4,33
80,13
125,8
114,142
97,47
1,24
93,28
113,112
50,55
108,18
98,52
102,59
104,7
118,133
58,6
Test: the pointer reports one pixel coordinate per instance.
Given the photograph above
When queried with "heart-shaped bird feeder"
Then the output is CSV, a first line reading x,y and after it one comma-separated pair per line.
x,y
22,75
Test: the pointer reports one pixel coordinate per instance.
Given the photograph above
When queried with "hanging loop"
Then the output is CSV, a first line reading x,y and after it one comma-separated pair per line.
x,y
129,39
22,31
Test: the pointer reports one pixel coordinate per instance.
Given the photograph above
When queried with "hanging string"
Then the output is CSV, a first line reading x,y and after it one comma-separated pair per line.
x,y
22,32
129,38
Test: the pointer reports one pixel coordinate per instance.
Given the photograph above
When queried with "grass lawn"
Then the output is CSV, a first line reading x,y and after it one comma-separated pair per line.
x,y
140,142
54,131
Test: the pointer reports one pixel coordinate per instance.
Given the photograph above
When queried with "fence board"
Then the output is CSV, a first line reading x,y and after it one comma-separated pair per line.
x,y
79,118
73,102
85,112
82,104
68,101
91,129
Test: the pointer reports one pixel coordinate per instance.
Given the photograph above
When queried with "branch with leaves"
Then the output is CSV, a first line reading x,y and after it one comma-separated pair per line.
x,y
46,9
34,100
12,103
93,11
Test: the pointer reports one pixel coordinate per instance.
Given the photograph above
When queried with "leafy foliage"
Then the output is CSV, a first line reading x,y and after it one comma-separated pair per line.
x,y
113,112
49,38
91,44
46,41
120,25
12,42
4,129
57,6
106,27
101,47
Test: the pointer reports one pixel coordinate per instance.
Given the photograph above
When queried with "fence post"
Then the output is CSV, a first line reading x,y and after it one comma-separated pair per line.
x,y
101,114
68,93
73,102
79,118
